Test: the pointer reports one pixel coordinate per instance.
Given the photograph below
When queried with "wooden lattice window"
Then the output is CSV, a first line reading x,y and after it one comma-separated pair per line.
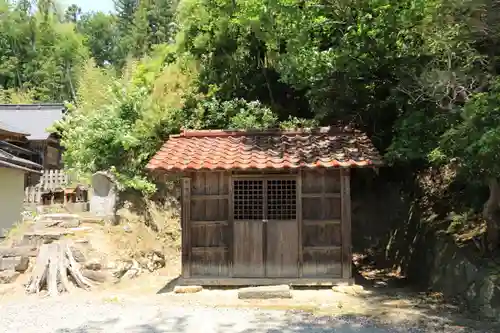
x,y
281,199
273,199
248,199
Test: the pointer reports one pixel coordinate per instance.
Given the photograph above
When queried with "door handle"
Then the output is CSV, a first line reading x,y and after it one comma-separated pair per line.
x,y
264,221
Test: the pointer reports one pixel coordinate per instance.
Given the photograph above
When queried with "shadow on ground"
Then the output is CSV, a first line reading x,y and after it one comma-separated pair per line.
x,y
259,322
381,299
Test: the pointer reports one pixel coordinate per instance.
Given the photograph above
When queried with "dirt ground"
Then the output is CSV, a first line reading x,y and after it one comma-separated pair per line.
x,y
381,302
388,306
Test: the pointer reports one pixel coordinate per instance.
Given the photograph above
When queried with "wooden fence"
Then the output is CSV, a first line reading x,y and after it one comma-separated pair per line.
x,y
50,182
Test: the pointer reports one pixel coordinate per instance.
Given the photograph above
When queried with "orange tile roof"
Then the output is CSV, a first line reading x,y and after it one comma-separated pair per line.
x,y
326,147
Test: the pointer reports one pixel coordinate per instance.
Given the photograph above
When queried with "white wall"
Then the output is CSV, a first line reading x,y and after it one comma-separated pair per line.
x,y
11,197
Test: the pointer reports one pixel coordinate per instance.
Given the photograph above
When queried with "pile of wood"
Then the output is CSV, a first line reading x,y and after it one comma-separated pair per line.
x,y
56,270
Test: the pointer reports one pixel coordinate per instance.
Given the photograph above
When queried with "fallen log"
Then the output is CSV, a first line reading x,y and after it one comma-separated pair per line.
x,y
54,265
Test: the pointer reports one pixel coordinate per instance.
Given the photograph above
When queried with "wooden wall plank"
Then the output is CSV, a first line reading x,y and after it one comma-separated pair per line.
x,y
321,262
282,250
322,235
209,262
321,232
209,226
249,254
214,235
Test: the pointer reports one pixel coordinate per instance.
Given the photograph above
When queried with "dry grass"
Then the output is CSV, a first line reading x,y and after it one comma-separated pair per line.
x,y
16,233
157,230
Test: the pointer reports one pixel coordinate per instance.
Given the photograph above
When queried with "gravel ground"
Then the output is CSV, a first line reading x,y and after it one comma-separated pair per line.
x,y
142,315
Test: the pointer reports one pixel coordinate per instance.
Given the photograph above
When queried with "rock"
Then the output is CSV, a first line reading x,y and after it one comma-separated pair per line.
x,y
27,251
483,296
8,276
152,261
97,276
352,290
93,265
265,292
187,289
457,277
119,268
133,271
14,263
81,241
23,265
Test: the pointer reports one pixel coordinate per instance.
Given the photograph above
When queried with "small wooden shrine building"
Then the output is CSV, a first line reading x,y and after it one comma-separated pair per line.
x,y
266,207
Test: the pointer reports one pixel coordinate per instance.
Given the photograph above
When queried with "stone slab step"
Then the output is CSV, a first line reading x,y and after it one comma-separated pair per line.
x,y
265,292
19,264
27,251
63,220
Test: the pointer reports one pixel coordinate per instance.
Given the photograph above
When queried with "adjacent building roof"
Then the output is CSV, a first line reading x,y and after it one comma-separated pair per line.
x,y
327,147
33,119
11,130
7,160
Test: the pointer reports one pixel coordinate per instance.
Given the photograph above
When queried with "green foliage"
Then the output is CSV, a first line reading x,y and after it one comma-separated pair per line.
x,y
38,52
418,76
101,37
232,114
473,141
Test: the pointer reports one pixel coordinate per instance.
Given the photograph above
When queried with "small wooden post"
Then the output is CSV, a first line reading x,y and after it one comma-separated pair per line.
x,y
345,182
185,226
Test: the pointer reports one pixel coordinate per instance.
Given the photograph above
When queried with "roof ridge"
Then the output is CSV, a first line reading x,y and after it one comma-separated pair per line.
x,y
31,107
186,133
32,104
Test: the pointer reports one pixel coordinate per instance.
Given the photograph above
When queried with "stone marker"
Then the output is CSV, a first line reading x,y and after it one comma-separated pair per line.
x,y
187,289
265,292
104,196
8,276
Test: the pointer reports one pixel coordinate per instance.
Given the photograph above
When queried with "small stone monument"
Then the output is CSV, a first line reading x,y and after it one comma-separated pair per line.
x,y
104,196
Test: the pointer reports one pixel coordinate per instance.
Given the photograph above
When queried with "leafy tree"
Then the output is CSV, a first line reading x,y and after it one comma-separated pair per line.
x,y
125,12
39,53
72,13
152,25
472,145
101,37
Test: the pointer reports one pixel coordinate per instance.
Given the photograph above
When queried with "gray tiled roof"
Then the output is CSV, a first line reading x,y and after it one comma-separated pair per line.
x,y
12,161
11,129
34,119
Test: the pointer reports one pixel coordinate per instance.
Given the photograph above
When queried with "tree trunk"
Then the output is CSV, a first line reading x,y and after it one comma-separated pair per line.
x,y
491,213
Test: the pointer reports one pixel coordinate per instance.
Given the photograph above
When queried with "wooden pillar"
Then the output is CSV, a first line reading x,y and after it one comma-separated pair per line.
x,y
299,222
345,182
230,222
185,227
